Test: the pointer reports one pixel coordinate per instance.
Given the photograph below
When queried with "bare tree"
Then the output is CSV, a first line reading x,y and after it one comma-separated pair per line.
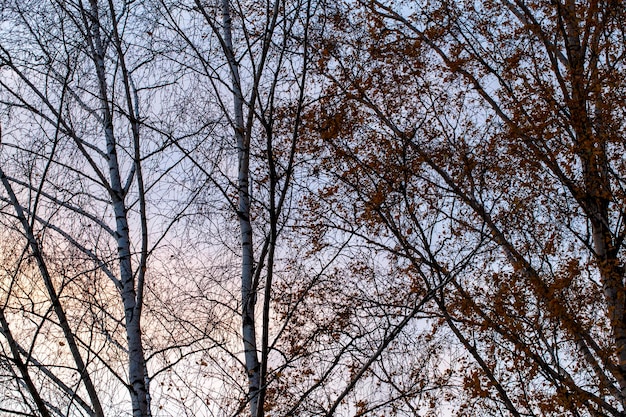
x,y
72,104
254,62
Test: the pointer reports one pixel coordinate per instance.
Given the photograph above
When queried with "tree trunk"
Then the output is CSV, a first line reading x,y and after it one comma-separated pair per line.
x,y
132,306
248,293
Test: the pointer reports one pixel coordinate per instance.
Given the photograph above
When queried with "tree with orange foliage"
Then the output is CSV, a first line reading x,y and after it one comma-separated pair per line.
x,y
483,143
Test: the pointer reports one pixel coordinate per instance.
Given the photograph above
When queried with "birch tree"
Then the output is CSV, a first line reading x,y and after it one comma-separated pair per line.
x,y
253,61
74,147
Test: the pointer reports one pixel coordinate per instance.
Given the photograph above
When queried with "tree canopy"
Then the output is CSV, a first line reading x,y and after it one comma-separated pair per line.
x,y
309,208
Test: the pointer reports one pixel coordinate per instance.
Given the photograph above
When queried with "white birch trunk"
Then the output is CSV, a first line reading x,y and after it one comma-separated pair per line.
x,y
248,295
132,308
